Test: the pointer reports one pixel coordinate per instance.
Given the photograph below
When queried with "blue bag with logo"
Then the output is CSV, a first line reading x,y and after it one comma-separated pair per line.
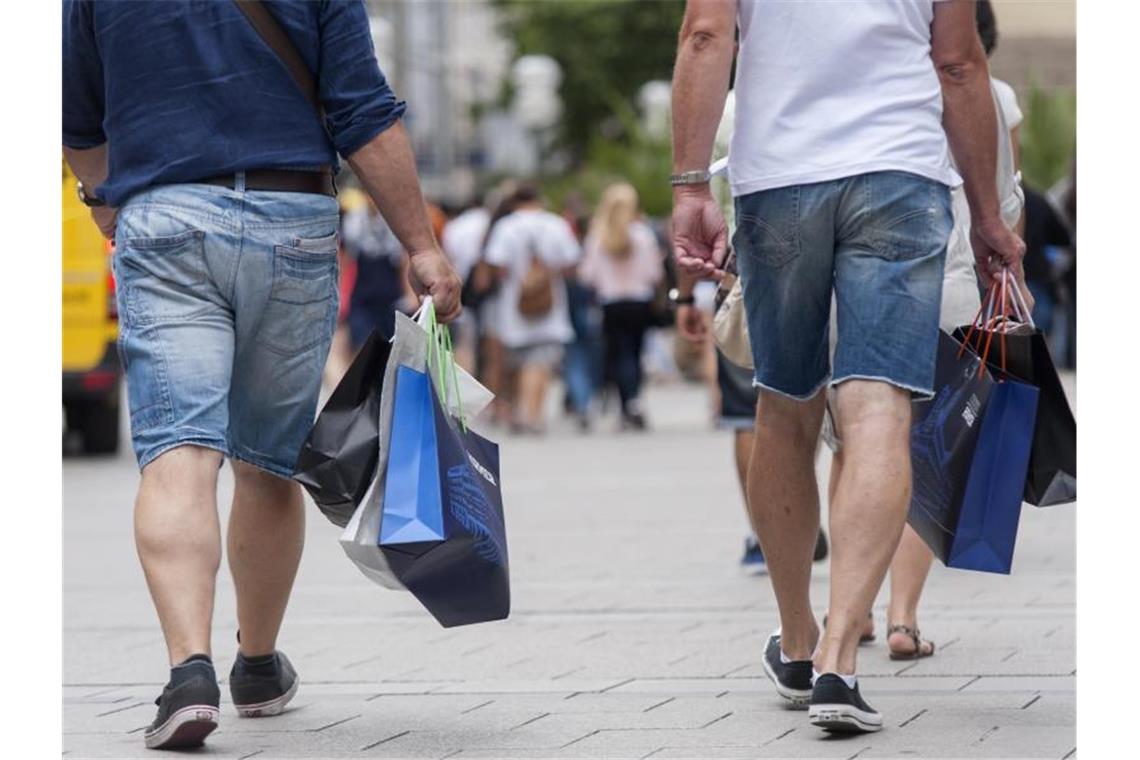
x,y
442,529
970,449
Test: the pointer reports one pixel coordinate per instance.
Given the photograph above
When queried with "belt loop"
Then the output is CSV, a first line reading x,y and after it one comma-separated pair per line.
x,y
239,182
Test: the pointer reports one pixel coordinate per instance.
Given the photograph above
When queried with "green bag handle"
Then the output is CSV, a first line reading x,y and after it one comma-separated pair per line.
x,y
447,377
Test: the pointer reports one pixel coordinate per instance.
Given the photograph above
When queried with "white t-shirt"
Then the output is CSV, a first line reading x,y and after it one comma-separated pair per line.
x,y
826,90
513,241
463,239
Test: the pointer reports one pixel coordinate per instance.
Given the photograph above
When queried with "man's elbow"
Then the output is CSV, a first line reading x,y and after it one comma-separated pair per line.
x,y
704,32
962,67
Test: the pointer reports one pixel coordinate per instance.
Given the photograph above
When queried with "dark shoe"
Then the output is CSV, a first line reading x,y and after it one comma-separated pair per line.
x,y
753,559
262,689
820,547
187,708
792,679
839,708
634,421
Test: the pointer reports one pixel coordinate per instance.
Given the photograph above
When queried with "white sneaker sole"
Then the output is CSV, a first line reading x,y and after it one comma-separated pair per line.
x,y
842,718
798,697
272,707
186,728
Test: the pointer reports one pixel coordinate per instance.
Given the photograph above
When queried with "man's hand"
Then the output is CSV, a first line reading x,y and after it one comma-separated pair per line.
x,y
996,247
700,234
432,274
105,219
691,323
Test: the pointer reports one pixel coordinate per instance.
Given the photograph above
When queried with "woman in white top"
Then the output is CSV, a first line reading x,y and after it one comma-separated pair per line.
x,y
623,265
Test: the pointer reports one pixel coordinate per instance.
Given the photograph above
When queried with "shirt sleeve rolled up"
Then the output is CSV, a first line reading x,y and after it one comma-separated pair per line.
x,y
82,78
359,104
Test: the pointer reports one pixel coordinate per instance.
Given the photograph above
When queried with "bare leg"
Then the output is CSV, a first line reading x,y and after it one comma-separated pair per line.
x,y
179,544
867,513
264,542
783,499
532,383
908,576
742,449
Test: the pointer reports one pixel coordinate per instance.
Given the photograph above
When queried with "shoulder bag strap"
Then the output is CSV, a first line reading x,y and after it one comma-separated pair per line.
x,y
274,36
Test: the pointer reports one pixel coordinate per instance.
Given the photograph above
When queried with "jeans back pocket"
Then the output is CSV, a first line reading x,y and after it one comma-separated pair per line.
x,y
303,295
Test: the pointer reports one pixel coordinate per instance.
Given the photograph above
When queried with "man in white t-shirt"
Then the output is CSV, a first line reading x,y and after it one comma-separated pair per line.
x,y
462,241
527,239
846,116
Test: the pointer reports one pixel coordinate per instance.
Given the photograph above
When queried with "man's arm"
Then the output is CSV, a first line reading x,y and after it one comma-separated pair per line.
x,y
90,166
700,83
386,167
971,129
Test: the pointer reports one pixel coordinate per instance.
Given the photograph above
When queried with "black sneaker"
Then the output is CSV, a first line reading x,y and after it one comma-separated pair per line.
x,y
820,553
753,559
837,707
187,708
792,679
262,689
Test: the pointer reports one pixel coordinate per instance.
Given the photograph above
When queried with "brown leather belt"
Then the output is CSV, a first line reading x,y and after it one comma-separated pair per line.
x,y
280,181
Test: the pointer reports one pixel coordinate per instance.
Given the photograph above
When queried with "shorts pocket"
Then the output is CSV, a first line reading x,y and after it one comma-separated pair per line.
x,y
303,296
918,224
161,278
767,226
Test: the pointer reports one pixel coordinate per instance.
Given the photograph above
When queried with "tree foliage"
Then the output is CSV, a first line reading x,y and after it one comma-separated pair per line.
x,y
1048,136
607,50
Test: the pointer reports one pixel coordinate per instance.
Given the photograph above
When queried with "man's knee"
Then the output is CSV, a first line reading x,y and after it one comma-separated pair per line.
x,y
185,467
247,476
793,421
870,411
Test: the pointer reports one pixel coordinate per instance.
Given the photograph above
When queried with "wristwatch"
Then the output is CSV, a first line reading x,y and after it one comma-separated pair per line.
x,y
696,177
87,200
677,299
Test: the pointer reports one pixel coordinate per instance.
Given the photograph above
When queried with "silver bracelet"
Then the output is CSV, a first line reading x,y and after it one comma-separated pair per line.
x,y
696,177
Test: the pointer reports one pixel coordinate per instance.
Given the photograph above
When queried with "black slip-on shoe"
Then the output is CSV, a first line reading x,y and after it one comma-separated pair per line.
x,y
837,707
187,711
792,679
259,694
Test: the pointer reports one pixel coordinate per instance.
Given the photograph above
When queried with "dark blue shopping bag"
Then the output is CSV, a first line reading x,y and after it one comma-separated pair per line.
x,y
970,449
442,529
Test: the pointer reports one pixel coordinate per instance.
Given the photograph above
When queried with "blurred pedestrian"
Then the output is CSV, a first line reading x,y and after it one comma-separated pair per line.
x,y
840,170
201,151
581,364
381,286
622,264
462,241
531,249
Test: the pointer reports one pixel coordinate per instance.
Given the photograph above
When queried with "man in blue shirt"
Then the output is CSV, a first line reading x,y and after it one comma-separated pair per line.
x,y
202,155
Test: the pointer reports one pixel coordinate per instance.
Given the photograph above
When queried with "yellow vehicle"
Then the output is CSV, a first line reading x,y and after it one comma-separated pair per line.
x,y
92,373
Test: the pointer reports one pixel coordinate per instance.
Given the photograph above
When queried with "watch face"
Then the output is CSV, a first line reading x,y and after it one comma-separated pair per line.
x,y
674,294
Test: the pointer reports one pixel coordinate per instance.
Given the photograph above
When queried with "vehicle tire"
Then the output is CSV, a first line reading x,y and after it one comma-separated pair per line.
x,y
99,426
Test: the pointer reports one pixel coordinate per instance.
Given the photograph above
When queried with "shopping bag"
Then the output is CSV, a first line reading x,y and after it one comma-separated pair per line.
x,y
1052,475
442,530
417,343
969,455
338,459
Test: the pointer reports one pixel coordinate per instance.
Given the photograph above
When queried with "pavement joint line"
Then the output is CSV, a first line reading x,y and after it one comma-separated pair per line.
x,y
778,738
989,732
718,696
251,754
679,660
913,718
651,754
1009,656
1030,702
659,704
692,627
519,662
474,650
592,637
453,753
618,685
1051,631
580,738
336,723
528,722
476,707
717,720
385,740
745,666
120,709
860,752
946,645
973,680
568,673
1070,753
905,668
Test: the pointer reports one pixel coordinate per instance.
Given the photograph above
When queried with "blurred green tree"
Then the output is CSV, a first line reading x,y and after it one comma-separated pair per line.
x,y
607,50
1048,136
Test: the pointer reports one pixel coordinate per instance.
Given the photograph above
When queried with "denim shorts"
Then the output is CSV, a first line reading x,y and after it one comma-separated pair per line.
x,y
227,306
878,241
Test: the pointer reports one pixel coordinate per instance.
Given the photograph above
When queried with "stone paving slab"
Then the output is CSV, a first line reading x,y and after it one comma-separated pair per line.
x,y
633,634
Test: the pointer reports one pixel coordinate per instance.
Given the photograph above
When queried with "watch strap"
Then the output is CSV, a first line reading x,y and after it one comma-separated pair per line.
x,y
695,177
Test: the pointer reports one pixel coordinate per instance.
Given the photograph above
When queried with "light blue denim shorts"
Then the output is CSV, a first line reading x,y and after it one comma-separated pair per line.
x,y
227,305
878,241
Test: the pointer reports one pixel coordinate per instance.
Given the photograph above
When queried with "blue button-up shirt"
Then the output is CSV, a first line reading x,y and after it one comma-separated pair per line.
x,y
186,89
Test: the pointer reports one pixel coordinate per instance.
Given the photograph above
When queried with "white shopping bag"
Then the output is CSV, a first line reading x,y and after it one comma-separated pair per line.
x,y
410,347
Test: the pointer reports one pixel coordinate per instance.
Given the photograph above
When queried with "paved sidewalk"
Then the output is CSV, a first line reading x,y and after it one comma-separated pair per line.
x,y
633,634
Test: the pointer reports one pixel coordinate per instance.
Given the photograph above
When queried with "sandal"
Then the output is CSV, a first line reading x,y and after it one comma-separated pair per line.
x,y
920,644
864,638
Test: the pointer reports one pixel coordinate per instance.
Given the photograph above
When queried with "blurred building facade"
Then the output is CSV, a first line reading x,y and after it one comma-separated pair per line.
x,y
1037,44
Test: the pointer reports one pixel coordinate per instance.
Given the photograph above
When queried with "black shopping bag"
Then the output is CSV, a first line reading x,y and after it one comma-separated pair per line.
x,y
442,530
338,459
1052,475
969,453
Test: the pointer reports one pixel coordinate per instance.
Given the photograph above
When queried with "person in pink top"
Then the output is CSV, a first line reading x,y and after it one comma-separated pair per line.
x,y
623,264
